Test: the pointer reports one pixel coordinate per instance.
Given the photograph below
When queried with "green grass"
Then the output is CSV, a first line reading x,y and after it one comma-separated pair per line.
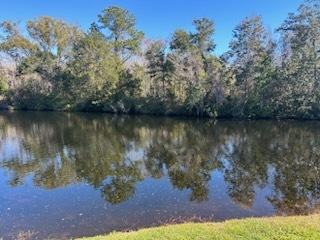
x,y
290,228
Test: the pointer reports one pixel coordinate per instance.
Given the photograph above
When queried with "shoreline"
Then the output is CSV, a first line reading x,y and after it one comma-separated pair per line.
x,y
291,227
184,116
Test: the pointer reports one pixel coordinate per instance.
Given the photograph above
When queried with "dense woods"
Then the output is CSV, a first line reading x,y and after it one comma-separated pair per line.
x,y
49,64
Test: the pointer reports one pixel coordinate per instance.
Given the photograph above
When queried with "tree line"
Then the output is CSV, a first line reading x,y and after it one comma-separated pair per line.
x,y
111,67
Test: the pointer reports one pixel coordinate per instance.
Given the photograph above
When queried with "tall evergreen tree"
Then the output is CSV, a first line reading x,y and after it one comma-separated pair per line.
x,y
301,35
246,56
120,31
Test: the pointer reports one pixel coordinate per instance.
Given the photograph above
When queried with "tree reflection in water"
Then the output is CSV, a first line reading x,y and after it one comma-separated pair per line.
x,y
114,153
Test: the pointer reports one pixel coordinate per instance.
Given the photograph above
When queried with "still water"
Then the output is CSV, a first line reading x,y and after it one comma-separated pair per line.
x,y
66,175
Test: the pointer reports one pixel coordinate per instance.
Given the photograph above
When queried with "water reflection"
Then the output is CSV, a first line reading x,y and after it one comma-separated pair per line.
x,y
115,153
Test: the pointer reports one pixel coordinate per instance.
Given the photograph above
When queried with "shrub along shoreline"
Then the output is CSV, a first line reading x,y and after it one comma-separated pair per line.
x,y
293,227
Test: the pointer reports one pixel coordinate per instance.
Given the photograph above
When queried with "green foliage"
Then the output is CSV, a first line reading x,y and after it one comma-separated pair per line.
x,y
13,43
126,95
203,37
110,69
3,86
180,41
32,94
247,55
121,32
301,59
93,70
159,68
53,35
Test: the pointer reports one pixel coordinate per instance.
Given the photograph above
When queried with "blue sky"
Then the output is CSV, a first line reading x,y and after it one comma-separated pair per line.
x,y
157,18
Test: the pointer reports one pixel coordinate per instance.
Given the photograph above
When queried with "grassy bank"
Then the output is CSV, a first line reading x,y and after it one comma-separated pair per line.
x,y
291,228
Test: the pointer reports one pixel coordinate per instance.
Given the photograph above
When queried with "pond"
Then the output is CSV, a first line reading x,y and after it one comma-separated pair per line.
x,y
66,175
